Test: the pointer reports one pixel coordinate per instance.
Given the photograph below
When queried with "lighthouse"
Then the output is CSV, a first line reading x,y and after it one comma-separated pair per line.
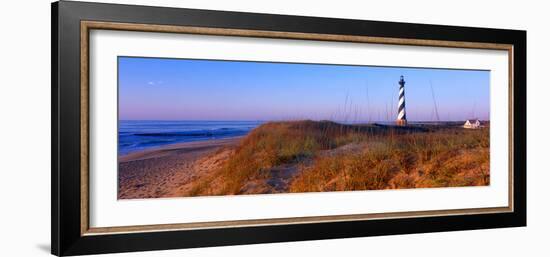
x,y
401,114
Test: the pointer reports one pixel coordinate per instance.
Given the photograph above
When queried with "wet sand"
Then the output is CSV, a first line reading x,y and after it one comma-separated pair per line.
x,y
168,171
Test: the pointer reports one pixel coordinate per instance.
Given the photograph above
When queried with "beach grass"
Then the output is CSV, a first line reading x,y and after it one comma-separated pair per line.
x,y
328,156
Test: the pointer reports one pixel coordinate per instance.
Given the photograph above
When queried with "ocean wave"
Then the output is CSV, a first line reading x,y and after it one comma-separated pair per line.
x,y
201,133
139,135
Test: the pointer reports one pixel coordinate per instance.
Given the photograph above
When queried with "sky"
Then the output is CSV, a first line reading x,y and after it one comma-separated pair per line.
x,y
185,89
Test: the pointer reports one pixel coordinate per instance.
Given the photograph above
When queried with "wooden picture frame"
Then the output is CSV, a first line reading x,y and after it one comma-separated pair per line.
x,y
71,25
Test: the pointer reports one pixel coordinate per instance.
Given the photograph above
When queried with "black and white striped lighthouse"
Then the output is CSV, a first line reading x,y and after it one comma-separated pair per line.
x,y
401,113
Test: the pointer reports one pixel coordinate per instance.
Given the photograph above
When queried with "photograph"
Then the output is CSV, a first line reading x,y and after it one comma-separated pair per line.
x,y
194,127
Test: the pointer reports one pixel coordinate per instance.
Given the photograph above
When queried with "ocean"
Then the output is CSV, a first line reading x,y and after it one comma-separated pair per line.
x,y
136,135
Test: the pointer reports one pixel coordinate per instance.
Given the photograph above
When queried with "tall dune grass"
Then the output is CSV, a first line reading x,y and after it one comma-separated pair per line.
x,y
335,157
447,158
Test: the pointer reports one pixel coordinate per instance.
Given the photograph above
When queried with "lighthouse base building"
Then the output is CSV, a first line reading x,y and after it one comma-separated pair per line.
x,y
401,122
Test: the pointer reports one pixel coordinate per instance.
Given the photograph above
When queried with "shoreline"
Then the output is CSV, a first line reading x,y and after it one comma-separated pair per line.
x,y
160,151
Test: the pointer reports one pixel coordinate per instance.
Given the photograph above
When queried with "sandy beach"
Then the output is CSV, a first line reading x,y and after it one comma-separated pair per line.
x,y
168,171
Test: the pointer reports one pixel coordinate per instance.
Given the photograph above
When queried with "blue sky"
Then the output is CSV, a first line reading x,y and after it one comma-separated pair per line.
x,y
181,89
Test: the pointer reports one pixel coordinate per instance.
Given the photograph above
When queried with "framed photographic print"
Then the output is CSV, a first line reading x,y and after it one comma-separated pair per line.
x,y
177,128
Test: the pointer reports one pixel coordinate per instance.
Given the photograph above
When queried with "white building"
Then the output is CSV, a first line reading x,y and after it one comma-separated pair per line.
x,y
472,124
